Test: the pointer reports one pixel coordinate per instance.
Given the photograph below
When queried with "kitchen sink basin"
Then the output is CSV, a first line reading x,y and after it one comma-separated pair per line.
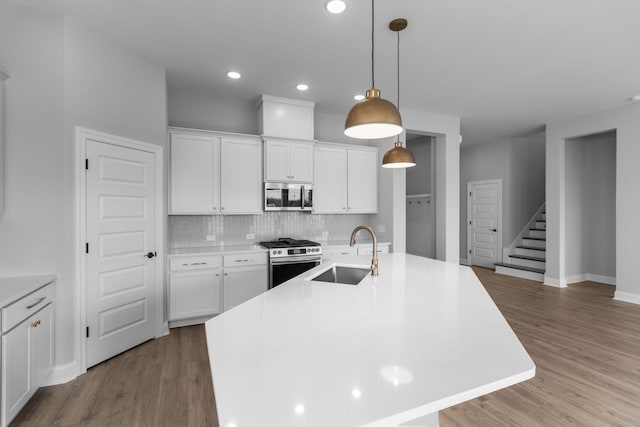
x,y
342,274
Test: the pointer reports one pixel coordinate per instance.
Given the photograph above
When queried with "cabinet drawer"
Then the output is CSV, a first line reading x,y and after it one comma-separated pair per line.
x,y
195,263
251,258
369,250
340,250
26,306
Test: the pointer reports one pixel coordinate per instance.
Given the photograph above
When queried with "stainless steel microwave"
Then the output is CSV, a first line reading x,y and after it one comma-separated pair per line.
x,y
280,196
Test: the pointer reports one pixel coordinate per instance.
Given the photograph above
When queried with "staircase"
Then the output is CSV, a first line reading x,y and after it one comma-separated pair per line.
x,y
528,260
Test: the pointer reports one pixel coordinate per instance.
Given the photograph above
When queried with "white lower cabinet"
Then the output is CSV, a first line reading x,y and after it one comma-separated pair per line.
x,y
243,283
194,294
203,286
27,350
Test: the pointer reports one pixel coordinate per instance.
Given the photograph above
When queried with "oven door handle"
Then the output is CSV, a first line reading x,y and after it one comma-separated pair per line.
x,y
296,260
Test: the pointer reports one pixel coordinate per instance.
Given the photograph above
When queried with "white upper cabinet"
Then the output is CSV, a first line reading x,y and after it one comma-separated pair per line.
x,y
330,180
345,179
195,183
288,161
214,173
241,175
362,180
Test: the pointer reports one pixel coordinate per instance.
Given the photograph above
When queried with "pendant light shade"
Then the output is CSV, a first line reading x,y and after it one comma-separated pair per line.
x,y
373,117
398,157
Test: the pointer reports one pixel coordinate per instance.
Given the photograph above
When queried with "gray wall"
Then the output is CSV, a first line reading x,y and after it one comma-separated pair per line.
x,y
520,164
590,203
419,176
421,239
62,75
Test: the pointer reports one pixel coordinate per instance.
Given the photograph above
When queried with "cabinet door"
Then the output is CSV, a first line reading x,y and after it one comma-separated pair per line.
x,y
194,294
195,180
17,348
330,180
300,162
242,284
42,335
362,181
241,176
276,161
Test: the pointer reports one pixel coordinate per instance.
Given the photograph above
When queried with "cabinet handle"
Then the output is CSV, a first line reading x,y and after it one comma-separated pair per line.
x,y
343,208
30,306
36,323
221,209
243,260
215,209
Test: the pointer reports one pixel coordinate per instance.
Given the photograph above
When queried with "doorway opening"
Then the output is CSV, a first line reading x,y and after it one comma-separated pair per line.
x,y
420,203
590,179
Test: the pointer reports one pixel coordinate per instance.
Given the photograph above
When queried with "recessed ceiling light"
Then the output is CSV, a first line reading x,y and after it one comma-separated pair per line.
x,y
635,98
233,75
302,87
358,97
336,6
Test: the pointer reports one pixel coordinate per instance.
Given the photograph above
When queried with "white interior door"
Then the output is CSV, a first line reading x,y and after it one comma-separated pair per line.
x,y
484,222
120,266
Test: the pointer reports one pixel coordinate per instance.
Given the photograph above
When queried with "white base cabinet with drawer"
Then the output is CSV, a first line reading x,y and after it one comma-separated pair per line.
x,y
27,349
203,286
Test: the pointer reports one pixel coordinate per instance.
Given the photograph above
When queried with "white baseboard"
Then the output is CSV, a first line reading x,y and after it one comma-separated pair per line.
x,y
61,374
607,280
588,277
627,297
556,283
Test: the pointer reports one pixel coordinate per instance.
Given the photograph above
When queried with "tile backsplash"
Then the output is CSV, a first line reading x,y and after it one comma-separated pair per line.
x,y
226,230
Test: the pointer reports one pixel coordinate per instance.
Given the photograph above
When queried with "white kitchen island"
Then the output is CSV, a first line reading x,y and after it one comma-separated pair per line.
x,y
393,350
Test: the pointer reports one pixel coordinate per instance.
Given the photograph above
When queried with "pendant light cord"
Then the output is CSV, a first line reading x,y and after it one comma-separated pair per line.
x,y
373,78
398,32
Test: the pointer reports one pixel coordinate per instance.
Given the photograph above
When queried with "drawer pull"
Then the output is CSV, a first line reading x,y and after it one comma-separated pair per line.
x,y
30,306
243,260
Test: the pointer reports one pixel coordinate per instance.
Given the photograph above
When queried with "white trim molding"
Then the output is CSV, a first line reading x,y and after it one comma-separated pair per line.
x,y
61,374
82,135
588,277
627,297
556,283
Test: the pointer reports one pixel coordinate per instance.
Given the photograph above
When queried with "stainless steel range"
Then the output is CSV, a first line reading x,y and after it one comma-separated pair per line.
x,y
289,257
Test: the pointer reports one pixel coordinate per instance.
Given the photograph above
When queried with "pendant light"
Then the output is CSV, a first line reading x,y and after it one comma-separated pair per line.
x,y
373,117
398,156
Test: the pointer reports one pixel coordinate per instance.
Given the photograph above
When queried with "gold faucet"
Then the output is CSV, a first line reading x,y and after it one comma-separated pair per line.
x,y
374,260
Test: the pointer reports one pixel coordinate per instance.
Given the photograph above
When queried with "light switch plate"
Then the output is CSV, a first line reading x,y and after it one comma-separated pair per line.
x,y
211,237
251,236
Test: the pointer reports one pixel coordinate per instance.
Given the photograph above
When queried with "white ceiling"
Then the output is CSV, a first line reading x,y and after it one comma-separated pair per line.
x,y
506,67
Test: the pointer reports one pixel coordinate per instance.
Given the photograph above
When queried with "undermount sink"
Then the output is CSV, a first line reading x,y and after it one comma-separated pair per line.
x,y
342,274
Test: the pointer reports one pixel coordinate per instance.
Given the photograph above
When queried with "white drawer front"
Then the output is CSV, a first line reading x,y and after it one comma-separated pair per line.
x,y
194,263
250,258
26,306
340,250
369,250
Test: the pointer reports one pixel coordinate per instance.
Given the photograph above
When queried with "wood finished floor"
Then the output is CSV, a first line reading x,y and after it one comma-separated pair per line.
x,y
586,347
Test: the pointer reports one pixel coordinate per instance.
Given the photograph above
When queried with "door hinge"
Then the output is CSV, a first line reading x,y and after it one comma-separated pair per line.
x,y
87,332
86,164
86,247
469,250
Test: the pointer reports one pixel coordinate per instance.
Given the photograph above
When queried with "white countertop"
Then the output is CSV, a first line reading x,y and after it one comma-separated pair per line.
x,y
216,250
422,336
13,288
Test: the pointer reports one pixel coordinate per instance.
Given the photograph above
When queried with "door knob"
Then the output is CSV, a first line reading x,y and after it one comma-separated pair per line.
x,y
151,254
